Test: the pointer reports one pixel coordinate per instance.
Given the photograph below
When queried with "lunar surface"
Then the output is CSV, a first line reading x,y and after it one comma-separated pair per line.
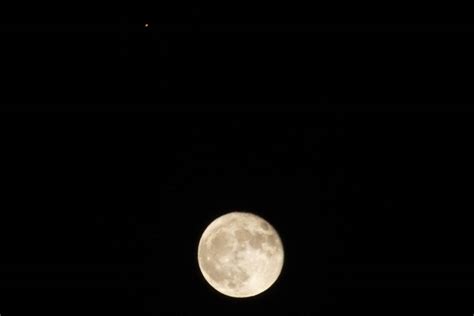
x,y
240,254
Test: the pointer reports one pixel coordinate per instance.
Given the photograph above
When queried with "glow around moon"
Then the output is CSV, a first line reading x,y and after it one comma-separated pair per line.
x,y
240,254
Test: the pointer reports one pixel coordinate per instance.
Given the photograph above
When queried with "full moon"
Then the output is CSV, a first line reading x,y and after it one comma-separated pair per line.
x,y
240,254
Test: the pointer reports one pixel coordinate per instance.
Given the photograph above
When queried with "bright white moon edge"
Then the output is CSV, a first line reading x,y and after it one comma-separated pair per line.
x,y
240,254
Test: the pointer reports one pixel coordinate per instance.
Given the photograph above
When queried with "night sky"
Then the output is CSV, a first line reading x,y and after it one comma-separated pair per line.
x,y
350,133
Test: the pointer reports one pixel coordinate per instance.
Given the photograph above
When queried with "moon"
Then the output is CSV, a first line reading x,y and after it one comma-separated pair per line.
x,y
240,254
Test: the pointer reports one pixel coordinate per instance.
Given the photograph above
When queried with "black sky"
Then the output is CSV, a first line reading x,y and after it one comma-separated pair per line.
x,y
104,212
350,133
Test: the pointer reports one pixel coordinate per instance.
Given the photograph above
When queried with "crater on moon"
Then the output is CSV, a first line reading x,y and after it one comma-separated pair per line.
x,y
240,254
